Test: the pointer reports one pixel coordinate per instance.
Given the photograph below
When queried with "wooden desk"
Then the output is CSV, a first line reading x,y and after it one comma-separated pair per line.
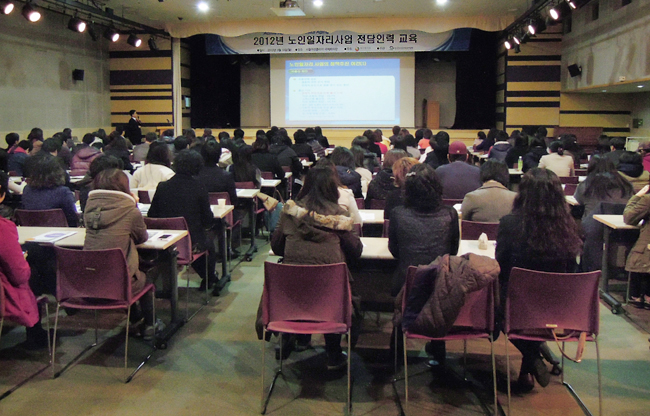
x,y
376,248
306,163
270,183
572,200
287,175
515,172
372,216
250,195
611,222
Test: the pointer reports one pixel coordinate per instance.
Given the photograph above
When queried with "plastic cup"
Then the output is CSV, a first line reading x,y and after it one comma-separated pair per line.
x,y
221,201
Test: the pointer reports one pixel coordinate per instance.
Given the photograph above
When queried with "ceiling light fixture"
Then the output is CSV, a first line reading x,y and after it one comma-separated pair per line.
x,y
441,2
203,7
531,28
639,86
318,3
134,41
515,39
571,4
553,12
30,13
77,25
152,43
111,34
7,7
508,44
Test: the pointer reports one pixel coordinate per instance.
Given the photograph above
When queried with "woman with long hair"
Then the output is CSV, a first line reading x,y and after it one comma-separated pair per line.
x,y
314,229
396,197
243,168
384,182
539,234
156,169
603,184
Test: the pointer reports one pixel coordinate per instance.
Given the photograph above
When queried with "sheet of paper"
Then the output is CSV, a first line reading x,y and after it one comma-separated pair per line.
x,y
53,236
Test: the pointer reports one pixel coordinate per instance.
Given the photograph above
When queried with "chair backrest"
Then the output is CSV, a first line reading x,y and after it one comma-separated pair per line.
x,y
384,232
184,246
41,217
580,172
267,175
476,313
244,185
452,202
286,169
97,274
376,204
472,230
360,203
315,293
143,196
358,229
536,300
570,188
569,179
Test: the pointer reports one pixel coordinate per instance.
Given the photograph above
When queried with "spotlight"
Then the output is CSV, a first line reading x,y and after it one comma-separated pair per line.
x,y
111,35
203,7
517,48
92,32
134,41
516,40
553,12
7,7
77,25
531,28
571,4
30,13
152,44
508,44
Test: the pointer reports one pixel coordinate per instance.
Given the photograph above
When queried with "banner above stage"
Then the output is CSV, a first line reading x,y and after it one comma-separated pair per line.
x,y
339,42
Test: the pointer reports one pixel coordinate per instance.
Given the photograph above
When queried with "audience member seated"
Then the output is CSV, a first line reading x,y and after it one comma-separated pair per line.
x,y
366,175
603,146
488,142
501,147
423,228
12,140
20,302
493,199
47,190
378,138
265,160
99,164
140,151
372,146
113,220
213,178
184,196
440,146
17,156
384,182
83,156
617,146
637,209
314,229
480,137
301,147
238,138
316,148
630,166
458,177
322,140
539,234
557,161
281,149
644,151
49,148
535,152
518,150
243,169
346,197
156,169
572,148
344,161
370,159
180,143
395,197
603,184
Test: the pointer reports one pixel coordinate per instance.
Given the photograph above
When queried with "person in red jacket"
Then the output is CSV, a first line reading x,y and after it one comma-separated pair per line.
x,y
19,300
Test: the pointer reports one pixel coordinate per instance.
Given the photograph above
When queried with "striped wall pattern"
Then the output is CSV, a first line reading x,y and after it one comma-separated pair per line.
x,y
141,79
612,112
185,83
501,87
531,85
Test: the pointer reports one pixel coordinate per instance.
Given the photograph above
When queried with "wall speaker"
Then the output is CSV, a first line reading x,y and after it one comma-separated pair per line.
x,y
575,70
78,74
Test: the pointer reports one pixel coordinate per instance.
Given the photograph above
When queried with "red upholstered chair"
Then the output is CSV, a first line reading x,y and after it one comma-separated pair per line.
x,y
569,179
230,219
96,280
570,188
41,217
358,229
305,299
143,196
360,203
475,321
185,256
472,230
538,302
452,202
384,232
267,175
376,204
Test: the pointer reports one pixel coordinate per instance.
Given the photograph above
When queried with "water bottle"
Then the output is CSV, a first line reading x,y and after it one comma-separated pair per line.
x,y
520,163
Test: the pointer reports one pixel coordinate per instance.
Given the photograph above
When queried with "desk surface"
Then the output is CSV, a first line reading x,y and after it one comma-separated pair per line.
x,y
515,172
571,200
247,193
306,163
77,239
270,183
287,175
376,248
372,216
615,222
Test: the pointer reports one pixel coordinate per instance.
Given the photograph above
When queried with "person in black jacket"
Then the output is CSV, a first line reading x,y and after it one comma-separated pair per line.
x,y
321,139
535,153
343,158
184,196
213,178
384,182
132,130
264,159
281,148
301,147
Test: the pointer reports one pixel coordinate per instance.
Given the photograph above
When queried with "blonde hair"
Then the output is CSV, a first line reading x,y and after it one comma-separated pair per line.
x,y
401,167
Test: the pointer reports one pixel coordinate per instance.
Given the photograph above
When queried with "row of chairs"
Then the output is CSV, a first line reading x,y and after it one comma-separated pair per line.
x,y
299,299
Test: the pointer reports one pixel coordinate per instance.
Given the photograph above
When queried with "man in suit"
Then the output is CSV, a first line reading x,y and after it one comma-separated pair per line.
x,y
458,177
132,130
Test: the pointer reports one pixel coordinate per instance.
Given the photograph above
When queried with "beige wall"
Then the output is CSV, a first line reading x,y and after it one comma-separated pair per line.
x,y
436,81
36,86
255,103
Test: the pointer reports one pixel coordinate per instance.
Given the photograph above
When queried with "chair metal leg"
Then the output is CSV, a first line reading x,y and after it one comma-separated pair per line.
x,y
53,356
494,375
562,375
349,395
508,372
464,357
263,368
600,382
97,328
265,402
627,291
187,295
146,359
406,378
126,342
47,325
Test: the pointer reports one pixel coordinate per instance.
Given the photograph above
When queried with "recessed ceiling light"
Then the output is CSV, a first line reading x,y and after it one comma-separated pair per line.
x,y
203,6
639,86
441,2
318,3
604,90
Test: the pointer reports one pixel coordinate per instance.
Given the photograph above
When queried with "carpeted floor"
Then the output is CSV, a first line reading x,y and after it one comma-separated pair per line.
x,y
212,366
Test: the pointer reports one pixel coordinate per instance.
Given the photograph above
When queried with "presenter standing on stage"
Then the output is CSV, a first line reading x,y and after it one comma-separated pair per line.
x,y
132,130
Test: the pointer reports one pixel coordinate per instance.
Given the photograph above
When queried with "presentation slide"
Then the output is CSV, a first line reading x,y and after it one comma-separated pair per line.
x,y
340,91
